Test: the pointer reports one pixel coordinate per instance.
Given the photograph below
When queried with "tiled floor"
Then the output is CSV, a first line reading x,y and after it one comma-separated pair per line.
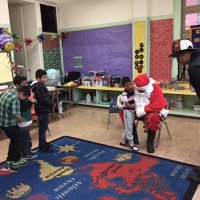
x,y
89,123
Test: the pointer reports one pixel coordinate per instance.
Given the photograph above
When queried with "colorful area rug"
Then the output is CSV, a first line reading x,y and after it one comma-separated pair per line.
x,y
83,170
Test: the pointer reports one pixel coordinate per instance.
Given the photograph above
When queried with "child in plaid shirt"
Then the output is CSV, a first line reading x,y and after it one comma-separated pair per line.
x,y
10,116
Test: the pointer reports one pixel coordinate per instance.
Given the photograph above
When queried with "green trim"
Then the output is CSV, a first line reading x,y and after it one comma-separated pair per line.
x,y
5,26
140,19
96,26
163,17
39,30
61,56
177,10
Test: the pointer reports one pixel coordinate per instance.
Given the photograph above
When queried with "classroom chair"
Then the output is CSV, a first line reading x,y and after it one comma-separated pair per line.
x,y
163,121
113,108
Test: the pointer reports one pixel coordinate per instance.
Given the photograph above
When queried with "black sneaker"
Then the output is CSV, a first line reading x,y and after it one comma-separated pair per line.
x,y
136,141
20,163
49,144
125,143
29,156
197,169
45,149
194,178
34,150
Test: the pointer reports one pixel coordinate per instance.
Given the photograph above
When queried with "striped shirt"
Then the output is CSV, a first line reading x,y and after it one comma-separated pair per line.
x,y
9,106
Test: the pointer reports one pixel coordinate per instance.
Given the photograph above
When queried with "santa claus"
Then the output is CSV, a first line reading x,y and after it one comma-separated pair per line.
x,y
150,105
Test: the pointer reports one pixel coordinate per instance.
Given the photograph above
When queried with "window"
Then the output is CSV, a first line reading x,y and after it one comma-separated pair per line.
x,y
49,19
190,16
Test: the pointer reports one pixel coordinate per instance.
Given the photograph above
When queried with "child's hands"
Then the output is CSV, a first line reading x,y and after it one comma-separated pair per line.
x,y
33,100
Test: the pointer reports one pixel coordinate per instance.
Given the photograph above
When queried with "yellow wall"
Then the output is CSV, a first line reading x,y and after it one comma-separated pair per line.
x,y
139,37
5,72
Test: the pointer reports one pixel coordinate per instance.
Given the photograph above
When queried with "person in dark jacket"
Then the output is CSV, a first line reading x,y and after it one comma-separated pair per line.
x,y
186,54
42,108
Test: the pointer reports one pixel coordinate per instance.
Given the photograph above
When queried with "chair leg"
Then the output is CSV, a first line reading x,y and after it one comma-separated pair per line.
x,y
49,131
168,131
108,123
158,137
136,124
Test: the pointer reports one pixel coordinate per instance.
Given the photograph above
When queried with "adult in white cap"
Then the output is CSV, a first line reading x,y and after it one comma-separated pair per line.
x,y
186,54
150,106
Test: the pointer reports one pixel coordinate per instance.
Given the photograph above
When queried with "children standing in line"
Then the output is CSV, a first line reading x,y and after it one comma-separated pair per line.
x,y
25,107
42,108
10,116
129,137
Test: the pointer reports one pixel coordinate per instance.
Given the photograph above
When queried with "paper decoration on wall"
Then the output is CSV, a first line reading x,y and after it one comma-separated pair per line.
x,y
140,48
6,43
78,61
139,57
11,41
65,35
28,41
41,38
51,54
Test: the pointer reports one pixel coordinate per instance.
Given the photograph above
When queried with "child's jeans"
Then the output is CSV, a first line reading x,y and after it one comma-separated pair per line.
x,y
129,119
43,119
26,143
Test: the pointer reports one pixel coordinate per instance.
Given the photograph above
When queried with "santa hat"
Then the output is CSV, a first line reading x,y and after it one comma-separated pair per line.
x,y
141,82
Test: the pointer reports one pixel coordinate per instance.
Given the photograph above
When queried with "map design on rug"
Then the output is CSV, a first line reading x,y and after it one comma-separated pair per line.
x,y
68,160
66,148
123,157
48,172
79,169
19,191
129,178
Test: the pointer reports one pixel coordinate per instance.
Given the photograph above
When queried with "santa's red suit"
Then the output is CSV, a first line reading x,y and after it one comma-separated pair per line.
x,y
150,105
149,99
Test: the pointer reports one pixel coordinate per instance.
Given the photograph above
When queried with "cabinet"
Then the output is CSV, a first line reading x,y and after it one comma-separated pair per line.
x,y
102,95
188,98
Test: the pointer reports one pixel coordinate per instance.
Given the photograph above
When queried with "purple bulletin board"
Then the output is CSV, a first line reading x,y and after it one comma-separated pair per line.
x,y
103,49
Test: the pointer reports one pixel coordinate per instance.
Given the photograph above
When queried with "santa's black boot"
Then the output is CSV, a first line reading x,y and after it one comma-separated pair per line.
x,y
135,135
150,141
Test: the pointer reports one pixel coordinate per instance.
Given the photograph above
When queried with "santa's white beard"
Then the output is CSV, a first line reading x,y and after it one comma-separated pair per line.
x,y
141,99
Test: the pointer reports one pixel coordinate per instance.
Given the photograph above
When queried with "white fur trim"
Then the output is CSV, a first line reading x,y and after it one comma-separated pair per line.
x,y
120,101
33,82
140,112
147,88
25,124
164,112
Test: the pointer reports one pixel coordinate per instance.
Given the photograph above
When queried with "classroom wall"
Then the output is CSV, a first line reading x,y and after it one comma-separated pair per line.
x,y
4,13
78,15
25,23
17,27
85,13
